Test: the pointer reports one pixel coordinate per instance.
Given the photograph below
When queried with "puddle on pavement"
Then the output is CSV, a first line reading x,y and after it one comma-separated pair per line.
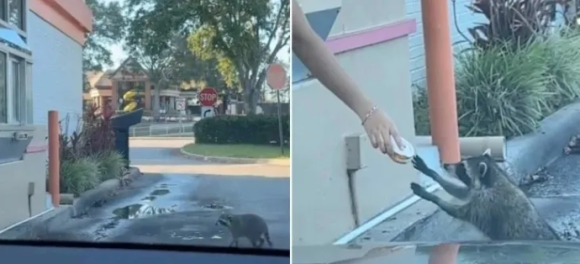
x,y
217,206
159,192
134,211
149,198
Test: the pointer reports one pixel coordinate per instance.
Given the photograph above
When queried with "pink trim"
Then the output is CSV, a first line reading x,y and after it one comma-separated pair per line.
x,y
36,149
372,36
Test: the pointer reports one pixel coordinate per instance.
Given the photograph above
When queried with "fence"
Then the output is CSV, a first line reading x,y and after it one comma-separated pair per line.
x,y
167,129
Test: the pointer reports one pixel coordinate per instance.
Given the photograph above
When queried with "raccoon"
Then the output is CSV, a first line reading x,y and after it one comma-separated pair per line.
x,y
250,226
491,201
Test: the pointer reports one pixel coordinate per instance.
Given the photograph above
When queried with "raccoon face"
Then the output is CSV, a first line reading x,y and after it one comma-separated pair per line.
x,y
473,171
224,220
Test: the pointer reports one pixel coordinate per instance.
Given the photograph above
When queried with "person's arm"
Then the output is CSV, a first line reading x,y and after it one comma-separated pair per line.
x,y
312,51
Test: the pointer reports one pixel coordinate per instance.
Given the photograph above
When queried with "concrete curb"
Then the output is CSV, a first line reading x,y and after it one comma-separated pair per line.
x,y
176,137
526,154
37,228
229,160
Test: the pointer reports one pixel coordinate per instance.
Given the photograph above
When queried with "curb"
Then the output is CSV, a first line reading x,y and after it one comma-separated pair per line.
x,y
185,137
228,160
39,227
526,154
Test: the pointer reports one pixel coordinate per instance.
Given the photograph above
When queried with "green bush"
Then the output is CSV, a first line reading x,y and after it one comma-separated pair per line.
x,y
254,129
562,60
79,175
421,111
111,165
501,91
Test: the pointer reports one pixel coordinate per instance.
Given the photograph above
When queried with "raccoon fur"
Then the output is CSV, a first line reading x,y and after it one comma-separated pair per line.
x,y
491,201
250,226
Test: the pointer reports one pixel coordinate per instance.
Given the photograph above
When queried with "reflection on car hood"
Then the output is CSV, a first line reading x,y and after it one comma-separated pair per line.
x,y
480,252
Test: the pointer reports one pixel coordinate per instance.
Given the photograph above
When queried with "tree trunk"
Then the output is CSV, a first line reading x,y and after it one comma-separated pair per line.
x,y
156,99
249,98
250,101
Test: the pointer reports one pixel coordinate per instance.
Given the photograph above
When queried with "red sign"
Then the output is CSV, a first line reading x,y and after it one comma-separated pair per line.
x,y
276,76
207,97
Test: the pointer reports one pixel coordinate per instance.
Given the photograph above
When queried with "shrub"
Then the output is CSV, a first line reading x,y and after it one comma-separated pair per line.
x,y
79,175
516,22
97,133
501,91
562,60
111,165
421,111
253,129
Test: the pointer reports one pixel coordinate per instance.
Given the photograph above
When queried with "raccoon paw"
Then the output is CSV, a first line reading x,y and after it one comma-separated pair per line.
x,y
419,164
417,189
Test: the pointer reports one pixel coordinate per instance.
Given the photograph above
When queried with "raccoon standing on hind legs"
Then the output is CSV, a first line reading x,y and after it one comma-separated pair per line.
x,y
491,201
250,226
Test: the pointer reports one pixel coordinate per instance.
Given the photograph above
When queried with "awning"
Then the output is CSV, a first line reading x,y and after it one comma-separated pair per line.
x,y
13,39
321,22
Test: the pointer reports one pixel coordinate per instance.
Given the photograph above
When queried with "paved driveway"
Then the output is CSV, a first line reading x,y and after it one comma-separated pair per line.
x,y
186,197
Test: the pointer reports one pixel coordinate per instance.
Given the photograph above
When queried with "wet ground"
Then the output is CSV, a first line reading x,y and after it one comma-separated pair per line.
x,y
176,202
557,200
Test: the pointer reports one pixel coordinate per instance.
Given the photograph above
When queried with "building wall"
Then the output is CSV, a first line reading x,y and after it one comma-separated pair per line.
x,y
16,176
57,72
465,19
321,201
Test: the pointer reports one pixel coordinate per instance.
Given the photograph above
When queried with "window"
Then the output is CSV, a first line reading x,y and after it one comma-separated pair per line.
x,y
13,14
3,90
3,6
16,13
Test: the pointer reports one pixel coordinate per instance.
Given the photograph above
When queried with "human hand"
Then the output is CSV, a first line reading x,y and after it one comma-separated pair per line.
x,y
380,128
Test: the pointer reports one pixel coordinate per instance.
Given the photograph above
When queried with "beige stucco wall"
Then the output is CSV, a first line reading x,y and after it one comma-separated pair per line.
x,y
321,204
14,179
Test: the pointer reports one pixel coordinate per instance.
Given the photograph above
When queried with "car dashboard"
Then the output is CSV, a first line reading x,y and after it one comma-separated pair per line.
x,y
33,252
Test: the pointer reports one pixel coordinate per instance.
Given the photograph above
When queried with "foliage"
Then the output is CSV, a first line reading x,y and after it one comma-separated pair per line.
x,y
501,91
562,60
254,129
421,111
79,175
242,36
111,165
512,21
87,155
108,28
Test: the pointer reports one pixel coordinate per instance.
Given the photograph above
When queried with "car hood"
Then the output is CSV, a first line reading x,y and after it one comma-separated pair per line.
x,y
529,252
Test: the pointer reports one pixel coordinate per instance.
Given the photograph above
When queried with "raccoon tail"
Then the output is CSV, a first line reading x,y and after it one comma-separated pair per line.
x,y
267,236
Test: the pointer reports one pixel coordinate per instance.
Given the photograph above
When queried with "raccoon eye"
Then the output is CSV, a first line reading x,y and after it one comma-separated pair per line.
x,y
482,169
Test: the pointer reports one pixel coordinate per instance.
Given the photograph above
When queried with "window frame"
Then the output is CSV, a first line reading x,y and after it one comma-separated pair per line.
x,y
5,22
25,68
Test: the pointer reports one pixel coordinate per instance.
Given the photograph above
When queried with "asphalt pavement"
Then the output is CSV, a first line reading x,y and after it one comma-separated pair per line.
x,y
178,201
557,199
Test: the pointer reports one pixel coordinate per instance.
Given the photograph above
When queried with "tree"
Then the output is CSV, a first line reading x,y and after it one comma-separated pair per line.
x,y
243,36
108,28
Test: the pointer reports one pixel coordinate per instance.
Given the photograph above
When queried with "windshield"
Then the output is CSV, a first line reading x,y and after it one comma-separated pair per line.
x,y
443,121
171,135
424,253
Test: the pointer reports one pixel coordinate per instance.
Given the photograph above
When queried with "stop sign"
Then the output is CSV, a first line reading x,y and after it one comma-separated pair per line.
x,y
276,76
207,97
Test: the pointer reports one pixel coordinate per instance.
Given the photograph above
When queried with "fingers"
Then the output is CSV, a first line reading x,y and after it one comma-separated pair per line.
x,y
398,141
373,140
387,146
381,142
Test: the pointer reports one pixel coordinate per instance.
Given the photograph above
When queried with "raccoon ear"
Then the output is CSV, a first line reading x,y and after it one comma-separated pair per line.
x,y
487,152
482,169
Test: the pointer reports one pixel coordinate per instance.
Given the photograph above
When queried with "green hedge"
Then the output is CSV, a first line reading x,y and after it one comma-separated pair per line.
x,y
256,129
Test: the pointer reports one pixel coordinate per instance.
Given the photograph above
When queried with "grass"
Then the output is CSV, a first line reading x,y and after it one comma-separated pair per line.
x,y
238,151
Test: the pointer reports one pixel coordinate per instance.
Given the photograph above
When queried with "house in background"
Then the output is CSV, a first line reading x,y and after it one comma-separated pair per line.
x,y
106,88
40,70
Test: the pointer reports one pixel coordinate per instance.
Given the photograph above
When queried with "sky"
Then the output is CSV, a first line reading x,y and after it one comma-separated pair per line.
x,y
118,54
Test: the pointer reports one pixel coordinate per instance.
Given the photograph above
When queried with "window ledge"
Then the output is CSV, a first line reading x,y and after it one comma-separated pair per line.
x,y
6,127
